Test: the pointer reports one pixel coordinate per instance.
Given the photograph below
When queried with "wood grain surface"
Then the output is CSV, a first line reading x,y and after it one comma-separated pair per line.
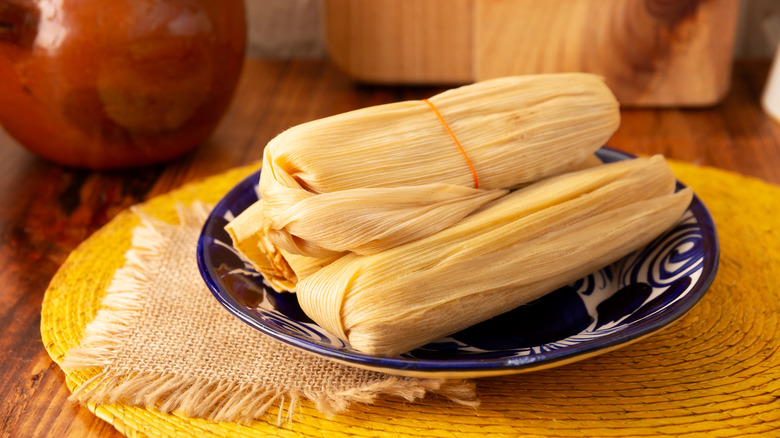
x,y
651,52
401,41
47,210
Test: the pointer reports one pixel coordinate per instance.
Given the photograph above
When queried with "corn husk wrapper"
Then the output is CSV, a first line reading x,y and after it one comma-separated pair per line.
x,y
372,179
512,251
281,269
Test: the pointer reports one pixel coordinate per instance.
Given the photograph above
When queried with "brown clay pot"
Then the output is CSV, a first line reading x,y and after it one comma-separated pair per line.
x,y
108,84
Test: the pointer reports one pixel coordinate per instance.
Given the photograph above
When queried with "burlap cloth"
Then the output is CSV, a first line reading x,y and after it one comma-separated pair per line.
x,y
714,371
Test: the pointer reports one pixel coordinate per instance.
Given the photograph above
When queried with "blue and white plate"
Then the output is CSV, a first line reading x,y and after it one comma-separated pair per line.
x,y
613,307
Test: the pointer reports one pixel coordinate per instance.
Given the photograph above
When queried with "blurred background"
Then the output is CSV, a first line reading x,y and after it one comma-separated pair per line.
x,y
293,28
155,83
653,53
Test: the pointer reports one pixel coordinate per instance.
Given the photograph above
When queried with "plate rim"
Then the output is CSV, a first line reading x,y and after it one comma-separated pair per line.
x,y
475,367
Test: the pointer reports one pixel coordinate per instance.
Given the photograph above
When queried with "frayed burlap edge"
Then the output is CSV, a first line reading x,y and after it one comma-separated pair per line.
x,y
215,400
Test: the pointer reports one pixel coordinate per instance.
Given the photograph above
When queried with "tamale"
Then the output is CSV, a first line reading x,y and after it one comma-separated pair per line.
x,y
372,179
510,252
281,269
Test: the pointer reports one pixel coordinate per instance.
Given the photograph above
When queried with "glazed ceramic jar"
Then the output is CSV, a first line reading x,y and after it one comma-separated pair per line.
x,y
119,83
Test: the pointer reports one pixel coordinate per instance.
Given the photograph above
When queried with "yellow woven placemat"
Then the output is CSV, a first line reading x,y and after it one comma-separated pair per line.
x,y
714,372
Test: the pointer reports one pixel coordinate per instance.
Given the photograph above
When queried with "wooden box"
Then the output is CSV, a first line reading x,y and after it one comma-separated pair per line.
x,y
651,52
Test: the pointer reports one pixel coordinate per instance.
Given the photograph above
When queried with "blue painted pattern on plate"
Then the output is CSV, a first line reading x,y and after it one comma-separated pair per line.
x,y
636,295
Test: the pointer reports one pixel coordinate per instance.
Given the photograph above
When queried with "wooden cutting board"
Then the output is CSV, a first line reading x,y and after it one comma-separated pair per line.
x,y
651,52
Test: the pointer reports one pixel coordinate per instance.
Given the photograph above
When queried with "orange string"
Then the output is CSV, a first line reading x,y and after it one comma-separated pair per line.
x,y
463,151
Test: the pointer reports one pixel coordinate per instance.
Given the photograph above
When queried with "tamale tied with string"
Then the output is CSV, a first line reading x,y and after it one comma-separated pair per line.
x,y
372,179
399,224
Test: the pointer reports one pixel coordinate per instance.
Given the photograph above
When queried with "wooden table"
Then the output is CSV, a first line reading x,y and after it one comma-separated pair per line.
x,y
47,210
